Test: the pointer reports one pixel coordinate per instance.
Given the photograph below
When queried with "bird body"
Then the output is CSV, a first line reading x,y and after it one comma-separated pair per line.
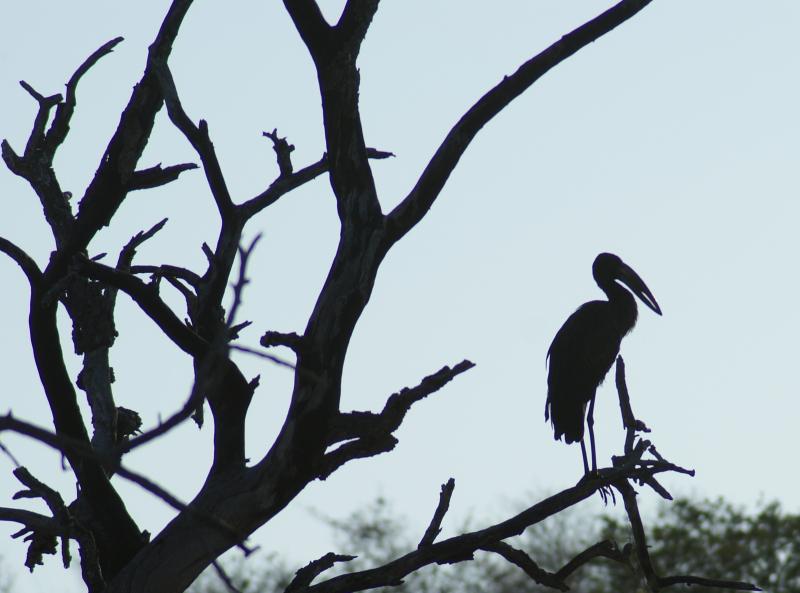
x,y
586,346
569,390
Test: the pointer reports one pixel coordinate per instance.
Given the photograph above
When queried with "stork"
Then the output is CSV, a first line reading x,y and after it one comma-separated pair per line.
x,y
585,348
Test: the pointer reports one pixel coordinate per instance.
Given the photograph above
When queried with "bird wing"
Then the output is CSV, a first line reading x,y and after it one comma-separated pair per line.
x,y
579,357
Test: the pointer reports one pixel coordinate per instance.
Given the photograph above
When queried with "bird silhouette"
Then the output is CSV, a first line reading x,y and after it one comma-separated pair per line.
x,y
586,346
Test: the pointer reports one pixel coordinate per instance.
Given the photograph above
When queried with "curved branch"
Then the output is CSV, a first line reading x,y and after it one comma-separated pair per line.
x,y
527,564
197,136
168,271
606,549
60,126
414,207
22,259
148,300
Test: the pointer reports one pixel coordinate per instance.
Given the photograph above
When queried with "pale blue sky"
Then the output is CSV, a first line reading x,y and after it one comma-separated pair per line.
x,y
672,142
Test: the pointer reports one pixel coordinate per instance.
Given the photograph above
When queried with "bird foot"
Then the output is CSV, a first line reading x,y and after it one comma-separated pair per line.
x,y
606,492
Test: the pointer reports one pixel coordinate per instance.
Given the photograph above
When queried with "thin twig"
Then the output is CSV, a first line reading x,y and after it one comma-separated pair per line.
x,y
22,259
606,549
224,577
283,152
306,575
435,527
242,281
9,454
266,356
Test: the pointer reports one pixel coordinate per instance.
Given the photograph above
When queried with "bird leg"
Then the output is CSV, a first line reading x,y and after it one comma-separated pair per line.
x,y
590,424
585,460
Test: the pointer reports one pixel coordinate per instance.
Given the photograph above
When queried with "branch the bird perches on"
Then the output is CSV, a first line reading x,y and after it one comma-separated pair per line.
x,y
631,467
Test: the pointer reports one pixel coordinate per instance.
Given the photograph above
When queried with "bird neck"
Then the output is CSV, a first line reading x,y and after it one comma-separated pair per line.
x,y
623,305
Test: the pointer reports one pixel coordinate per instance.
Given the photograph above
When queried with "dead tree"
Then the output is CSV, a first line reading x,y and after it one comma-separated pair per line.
x,y
318,437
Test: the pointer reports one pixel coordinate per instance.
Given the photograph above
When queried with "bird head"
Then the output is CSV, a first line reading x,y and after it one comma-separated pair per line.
x,y
608,268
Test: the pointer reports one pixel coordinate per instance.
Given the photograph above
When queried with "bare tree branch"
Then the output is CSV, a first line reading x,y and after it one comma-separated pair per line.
x,y
527,564
157,176
369,434
242,281
606,549
417,203
461,547
435,527
22,259
314,30
223,576
291,340
29,519
265,355
306,575
60,126
168,271
70,446
198,137
358,424
7,452
46,104
655,582
283,152
356,18
285,184
148,300
360,448
629,421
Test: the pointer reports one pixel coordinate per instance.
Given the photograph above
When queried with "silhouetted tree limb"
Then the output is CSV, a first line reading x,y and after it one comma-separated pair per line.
x,y
69,446
60,126
146,296
283,152
629,422
435,526
22,259
157,176
430,183
224,577
645,564
630,467
285,184
352,425
313,569
198,137
461,547
527,564
168,271
604,549
290,340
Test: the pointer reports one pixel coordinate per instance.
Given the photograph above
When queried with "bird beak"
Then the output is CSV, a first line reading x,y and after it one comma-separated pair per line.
x,y
632,280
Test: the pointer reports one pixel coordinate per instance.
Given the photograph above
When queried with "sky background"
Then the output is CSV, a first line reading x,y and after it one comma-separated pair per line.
x,y
672,141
